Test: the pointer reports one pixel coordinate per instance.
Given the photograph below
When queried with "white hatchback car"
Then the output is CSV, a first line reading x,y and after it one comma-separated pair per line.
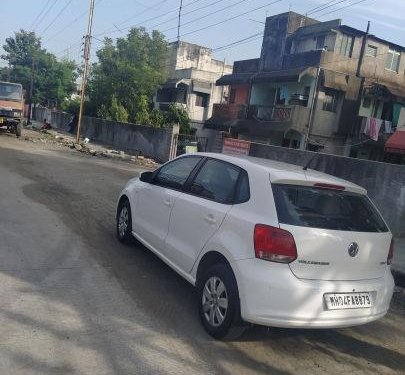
x,y
264,242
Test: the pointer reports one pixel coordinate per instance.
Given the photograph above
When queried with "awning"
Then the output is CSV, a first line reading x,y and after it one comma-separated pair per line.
x,y
290,75
396,91
234,79
220,124
202,86
396,143
174,83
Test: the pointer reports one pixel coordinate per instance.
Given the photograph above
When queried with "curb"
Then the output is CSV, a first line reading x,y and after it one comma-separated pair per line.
x,y
399,278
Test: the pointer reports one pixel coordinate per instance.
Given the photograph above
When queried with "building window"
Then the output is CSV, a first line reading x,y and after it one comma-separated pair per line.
x,y
201,100
320,42
232,96
330,100
346,47
371,51
392,60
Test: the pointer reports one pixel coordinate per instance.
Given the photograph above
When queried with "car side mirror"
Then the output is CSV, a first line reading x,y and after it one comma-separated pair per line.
x,y
146,176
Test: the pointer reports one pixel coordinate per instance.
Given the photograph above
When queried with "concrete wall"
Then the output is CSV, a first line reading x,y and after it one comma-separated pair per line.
x,y
385,183
244,66
153,142
326,122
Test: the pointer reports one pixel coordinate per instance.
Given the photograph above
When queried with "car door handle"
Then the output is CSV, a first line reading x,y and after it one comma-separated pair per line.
x,y
210,219
168,203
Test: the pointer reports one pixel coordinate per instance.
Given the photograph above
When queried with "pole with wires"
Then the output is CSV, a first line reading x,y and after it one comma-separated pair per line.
x,y
314,102
179,23
86,58
31,92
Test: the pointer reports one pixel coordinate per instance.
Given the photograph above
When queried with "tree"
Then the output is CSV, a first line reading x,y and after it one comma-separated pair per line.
x,y
54,80
117,111
131,69
142,115
177,114
157,118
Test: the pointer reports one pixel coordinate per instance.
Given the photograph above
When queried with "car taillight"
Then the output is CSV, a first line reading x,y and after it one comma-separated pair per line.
x,y
390,252
274,244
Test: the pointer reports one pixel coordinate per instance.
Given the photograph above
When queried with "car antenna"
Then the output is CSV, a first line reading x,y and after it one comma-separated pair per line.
x,y
310,161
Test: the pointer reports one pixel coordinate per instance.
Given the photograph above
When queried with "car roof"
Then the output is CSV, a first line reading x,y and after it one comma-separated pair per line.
x,y
286,173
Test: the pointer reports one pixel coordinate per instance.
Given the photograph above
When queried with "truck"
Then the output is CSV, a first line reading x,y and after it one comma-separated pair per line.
x,y
11,107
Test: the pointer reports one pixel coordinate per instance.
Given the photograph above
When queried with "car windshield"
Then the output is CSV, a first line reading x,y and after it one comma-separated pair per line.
x,y
307,206
10,91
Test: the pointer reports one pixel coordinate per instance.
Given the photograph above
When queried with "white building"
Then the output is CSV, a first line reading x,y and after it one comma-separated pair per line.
x,y
192,75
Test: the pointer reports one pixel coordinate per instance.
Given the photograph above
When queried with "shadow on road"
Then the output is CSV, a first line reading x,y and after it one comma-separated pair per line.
x,y
152,325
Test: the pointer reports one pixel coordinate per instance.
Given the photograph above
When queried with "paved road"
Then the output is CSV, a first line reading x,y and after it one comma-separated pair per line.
x,y
75,301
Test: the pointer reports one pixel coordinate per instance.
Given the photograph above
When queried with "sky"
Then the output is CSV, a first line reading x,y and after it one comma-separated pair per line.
x,y
62,23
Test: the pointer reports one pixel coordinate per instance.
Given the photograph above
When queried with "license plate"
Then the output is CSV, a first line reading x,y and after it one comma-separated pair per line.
x,y
338,301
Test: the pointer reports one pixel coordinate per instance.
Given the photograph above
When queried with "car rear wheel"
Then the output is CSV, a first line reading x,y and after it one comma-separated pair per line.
x,y
219,305
124,222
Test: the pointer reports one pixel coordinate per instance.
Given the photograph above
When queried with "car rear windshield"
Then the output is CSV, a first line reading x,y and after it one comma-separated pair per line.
x,y
307,206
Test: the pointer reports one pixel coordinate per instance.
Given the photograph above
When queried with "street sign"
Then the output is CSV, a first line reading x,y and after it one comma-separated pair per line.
x,y
235,146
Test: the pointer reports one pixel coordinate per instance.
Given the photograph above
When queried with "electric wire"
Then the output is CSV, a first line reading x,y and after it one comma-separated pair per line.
x,y
39,14
56,17
45,14
229,19
341,8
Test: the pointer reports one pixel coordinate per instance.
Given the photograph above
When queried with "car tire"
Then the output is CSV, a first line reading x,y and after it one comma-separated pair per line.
x,y
18,130
124,222
218,301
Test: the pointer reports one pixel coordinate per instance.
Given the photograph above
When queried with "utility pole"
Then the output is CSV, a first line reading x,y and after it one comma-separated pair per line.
x,y
86,58
363,49
313,107
31,90
179,23
222,88
362,79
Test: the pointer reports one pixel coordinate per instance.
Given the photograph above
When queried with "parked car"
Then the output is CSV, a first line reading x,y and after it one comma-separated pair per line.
x,y
263,242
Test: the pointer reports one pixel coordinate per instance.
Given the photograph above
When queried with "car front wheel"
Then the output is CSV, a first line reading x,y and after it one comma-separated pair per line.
x,y
124,222
219,305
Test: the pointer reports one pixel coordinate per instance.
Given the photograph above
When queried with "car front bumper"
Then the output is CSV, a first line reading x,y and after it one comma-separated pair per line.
x,y
271,295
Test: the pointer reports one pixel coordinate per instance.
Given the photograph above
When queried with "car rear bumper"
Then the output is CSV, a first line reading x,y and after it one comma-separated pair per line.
x,y
271,295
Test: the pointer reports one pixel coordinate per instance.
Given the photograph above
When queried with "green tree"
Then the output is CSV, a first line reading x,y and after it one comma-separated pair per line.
x,y
142,114
71,105
54,80
131,69
117,111
157,118
177,114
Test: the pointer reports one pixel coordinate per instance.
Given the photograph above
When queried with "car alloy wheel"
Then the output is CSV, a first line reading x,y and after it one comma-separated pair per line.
x,y
214,301
123,221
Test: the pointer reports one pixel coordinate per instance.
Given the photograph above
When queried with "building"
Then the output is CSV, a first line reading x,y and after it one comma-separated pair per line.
x,y
316,85
192,75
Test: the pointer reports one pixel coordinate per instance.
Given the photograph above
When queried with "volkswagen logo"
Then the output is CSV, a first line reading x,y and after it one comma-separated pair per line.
x,y
353,249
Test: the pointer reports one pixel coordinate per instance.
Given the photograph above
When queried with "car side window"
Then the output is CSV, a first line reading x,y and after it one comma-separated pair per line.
x,y
243,191
216,181
174,174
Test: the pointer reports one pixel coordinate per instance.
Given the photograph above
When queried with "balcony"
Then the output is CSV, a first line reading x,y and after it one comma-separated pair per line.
x,y
277,118
229,111
271,113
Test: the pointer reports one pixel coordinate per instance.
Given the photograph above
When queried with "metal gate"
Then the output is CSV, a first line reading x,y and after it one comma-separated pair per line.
x,y
191,143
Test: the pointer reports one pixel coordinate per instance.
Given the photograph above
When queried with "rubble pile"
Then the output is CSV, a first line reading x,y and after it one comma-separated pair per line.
x,y
84,146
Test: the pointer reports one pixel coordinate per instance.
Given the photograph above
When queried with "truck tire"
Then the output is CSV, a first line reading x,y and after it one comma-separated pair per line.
x,y
18,129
